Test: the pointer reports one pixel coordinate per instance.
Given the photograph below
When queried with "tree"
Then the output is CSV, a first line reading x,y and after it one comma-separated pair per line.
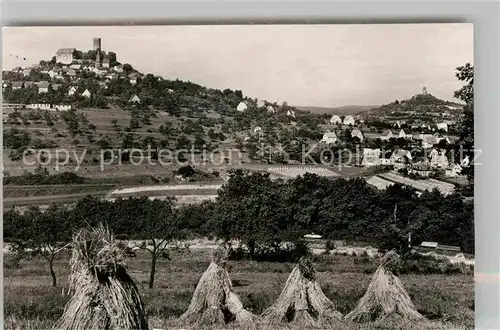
x,y
158,225
249,209
466,125
45,234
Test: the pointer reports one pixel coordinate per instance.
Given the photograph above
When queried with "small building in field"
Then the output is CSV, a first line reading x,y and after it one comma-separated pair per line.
x,y
242,106
329,138
348,120
335,120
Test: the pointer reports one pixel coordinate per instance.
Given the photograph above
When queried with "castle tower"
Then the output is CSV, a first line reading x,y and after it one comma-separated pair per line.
x,y
424,90
97,48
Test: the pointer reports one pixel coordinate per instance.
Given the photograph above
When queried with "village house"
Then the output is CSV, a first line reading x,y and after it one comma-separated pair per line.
x,y
270,109
17,85
290,113
75,66
439,161
86,93
329,137
71,73
433,153
71,90
422,168
385,158
242,106
103,85
453,171
135,99
17,69
428,141
65,55
335,120
56,86
43,87
111,76
356,133
26,72
28,84
403,135
371,157
348,120
386,135
442,126
105,63
133,77
261,103
118,68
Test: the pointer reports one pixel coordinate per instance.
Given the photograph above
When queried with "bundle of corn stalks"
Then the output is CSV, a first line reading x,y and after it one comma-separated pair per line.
x,y
302,301
214,302
105,297
386,300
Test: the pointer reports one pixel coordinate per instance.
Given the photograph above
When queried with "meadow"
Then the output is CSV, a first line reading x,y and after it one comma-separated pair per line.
x,y
30,302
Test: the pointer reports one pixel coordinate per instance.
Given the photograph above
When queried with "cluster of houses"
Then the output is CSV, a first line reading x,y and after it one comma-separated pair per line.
x,y
432,160
427,140
348,120
242,107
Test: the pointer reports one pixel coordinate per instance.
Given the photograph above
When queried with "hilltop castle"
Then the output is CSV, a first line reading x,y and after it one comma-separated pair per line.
x,y
68,55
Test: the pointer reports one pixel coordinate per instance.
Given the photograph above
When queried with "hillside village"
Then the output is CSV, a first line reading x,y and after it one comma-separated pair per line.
x,y
89,100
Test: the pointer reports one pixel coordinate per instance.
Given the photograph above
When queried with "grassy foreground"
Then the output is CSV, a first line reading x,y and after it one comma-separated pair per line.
x,y
31,303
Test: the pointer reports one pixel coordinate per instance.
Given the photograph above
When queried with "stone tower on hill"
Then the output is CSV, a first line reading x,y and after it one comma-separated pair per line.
x,y
424,90
97,48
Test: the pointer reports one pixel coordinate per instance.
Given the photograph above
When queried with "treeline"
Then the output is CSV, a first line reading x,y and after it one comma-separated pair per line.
x,y
269,217
263,213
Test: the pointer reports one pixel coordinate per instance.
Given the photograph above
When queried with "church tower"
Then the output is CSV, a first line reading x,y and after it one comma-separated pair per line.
x,y
97,48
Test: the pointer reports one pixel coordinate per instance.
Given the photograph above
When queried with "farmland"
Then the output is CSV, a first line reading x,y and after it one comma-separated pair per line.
x,y
447,300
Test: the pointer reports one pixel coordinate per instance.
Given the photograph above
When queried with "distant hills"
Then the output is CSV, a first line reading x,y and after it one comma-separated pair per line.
x,y
345,110
425,107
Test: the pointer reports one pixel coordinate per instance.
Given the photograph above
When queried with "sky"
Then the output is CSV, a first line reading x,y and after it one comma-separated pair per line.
x,y
307,65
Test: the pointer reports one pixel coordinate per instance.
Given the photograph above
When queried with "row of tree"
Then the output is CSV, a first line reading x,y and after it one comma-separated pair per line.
x,y
261,213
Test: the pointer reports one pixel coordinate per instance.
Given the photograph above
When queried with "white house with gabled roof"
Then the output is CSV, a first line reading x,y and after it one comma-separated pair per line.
x,y
348,120
86,93
242,106
329,137
335,120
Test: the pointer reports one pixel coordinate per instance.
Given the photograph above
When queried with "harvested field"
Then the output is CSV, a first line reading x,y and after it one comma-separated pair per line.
x,y
31,303
422,185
